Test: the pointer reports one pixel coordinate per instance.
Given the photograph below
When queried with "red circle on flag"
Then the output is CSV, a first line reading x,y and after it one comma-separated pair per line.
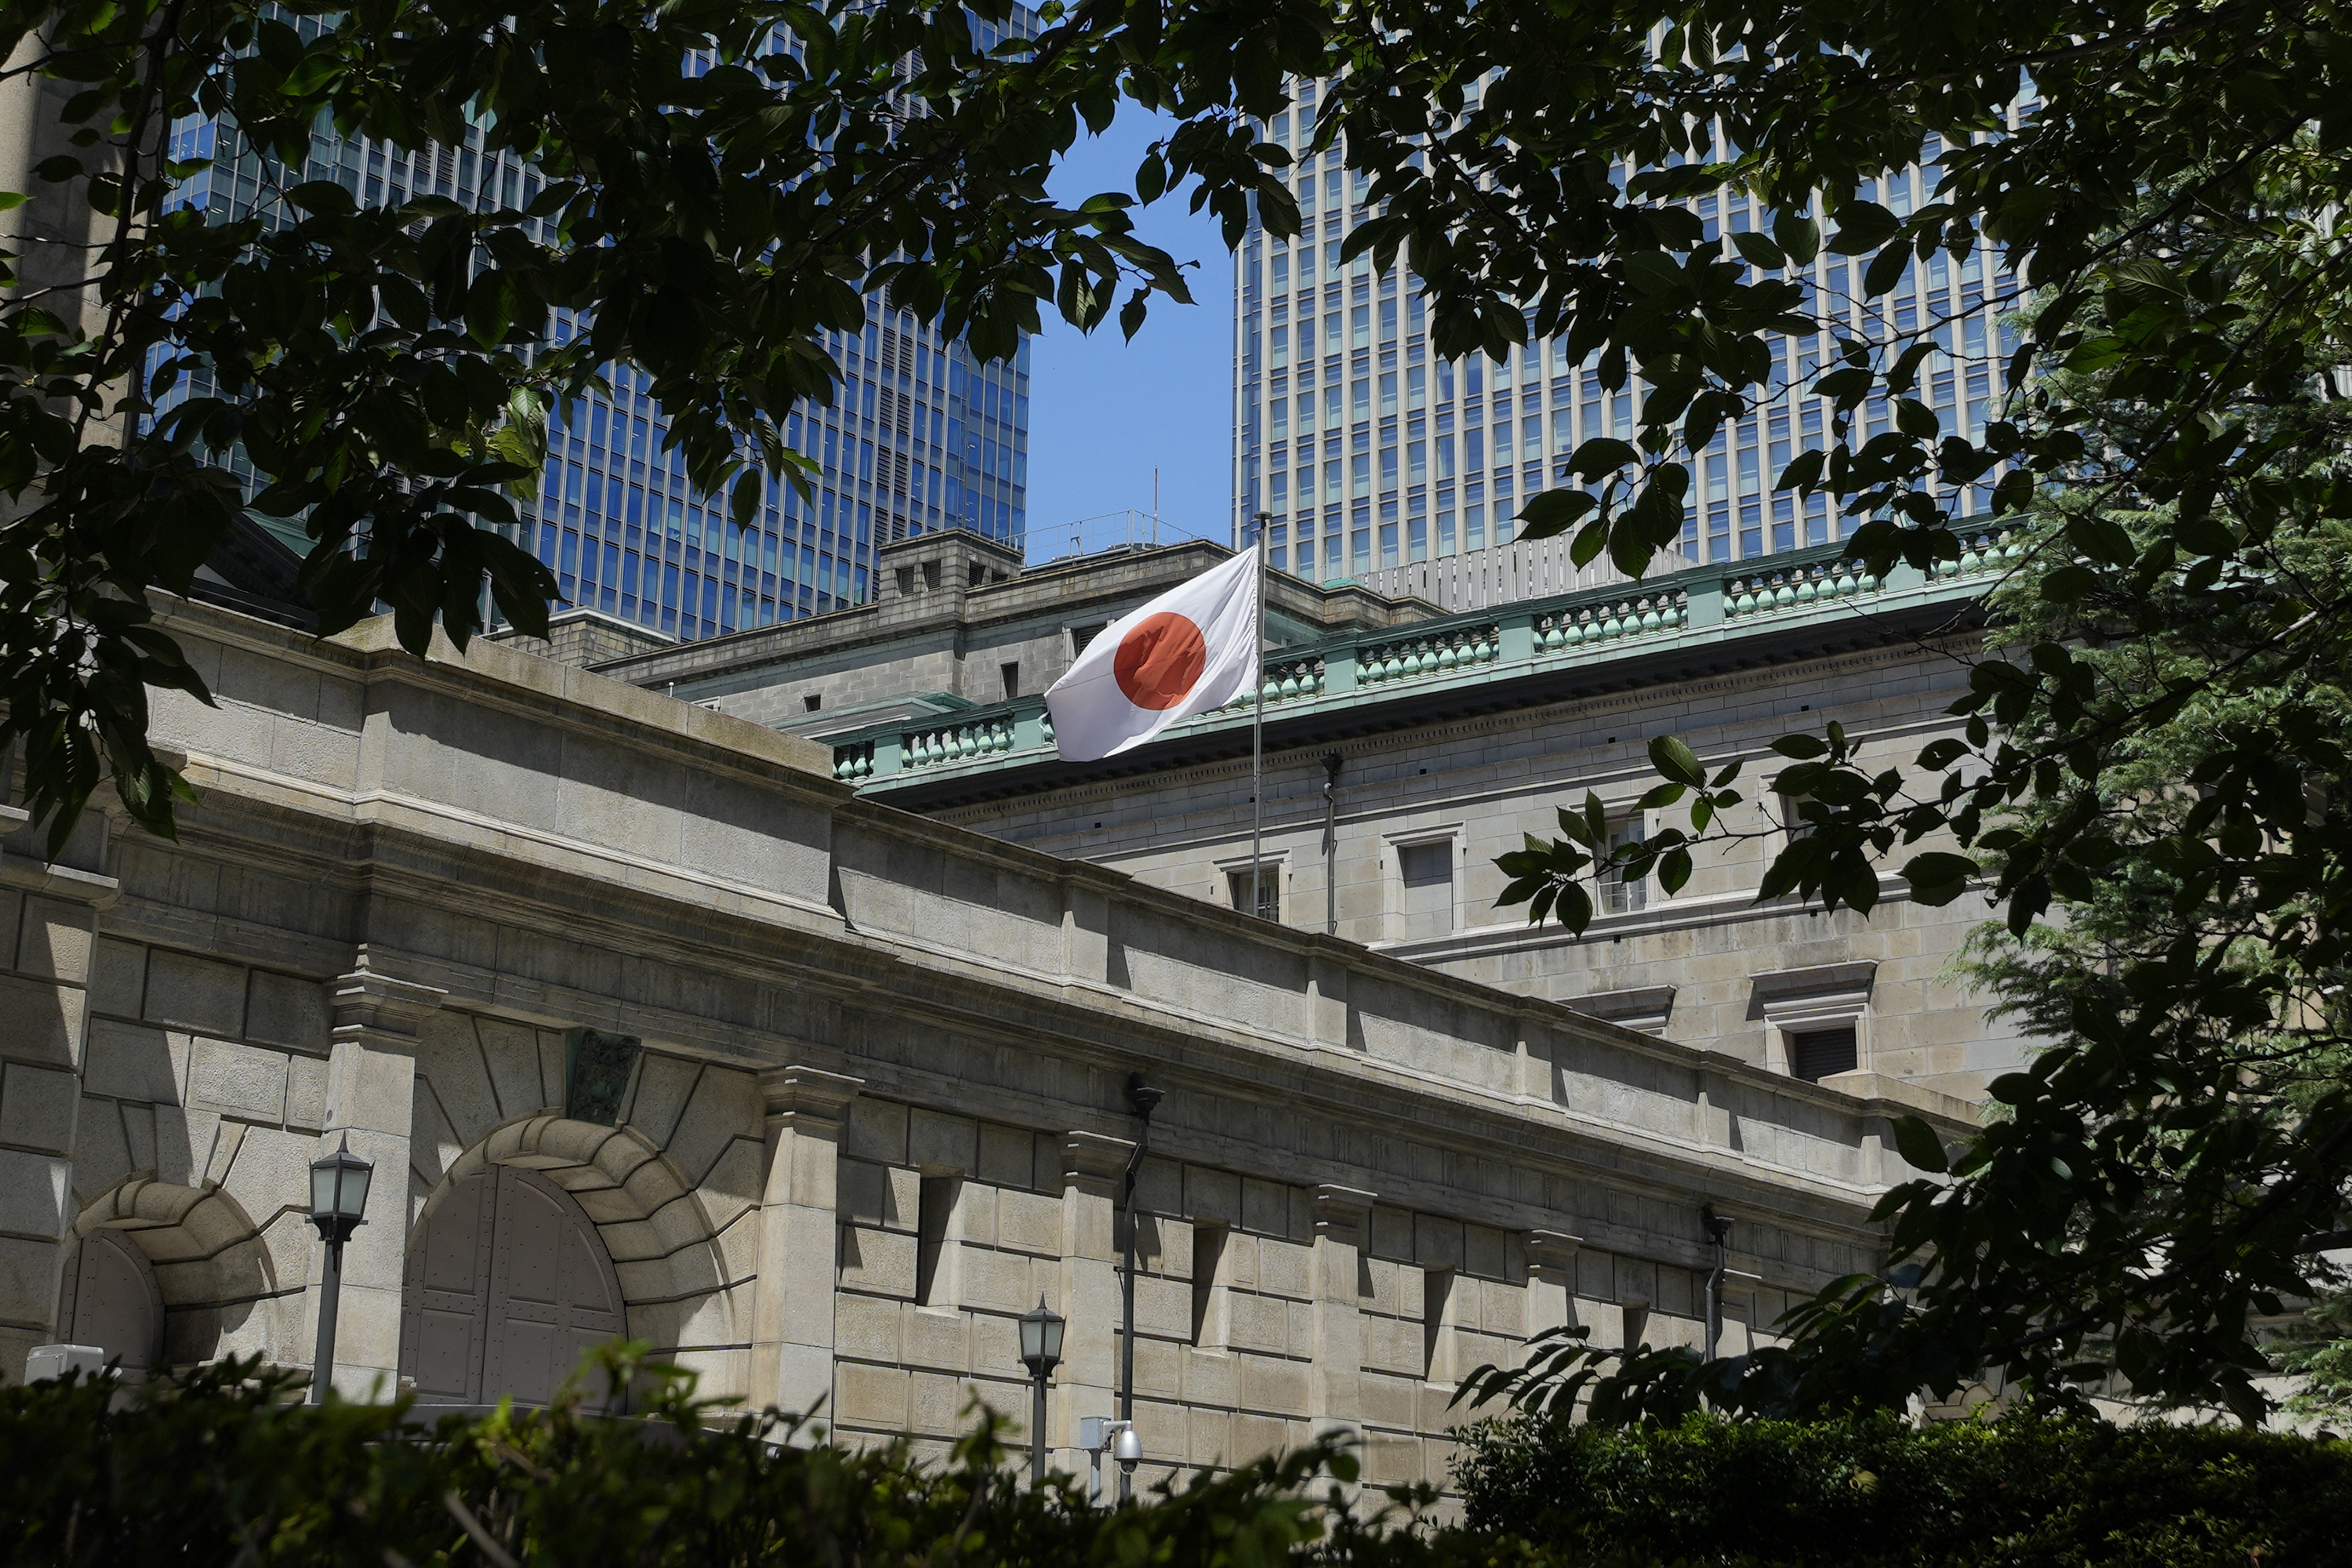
x,y
1160,662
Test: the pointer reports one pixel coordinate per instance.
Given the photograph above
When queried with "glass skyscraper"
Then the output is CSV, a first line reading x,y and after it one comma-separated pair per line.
x,y
1369,453
920,435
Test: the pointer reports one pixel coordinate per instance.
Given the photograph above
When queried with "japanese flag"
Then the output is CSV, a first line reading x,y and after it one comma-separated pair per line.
x,y
1192,649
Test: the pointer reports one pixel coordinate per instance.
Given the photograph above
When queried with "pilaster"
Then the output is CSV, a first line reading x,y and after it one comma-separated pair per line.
x,y
791,1300
1551,1279
371,1101
1343,1218
1087,1384
48,939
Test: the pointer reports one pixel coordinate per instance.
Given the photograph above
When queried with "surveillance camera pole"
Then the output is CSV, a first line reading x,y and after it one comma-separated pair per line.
x,y
1142,1096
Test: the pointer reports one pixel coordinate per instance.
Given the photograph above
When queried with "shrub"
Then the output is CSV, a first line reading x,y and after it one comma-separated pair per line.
x,y
2020,1492
225,1468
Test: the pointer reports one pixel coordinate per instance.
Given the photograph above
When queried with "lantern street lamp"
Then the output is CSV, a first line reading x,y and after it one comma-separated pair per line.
x,y
1041,1352
338,1188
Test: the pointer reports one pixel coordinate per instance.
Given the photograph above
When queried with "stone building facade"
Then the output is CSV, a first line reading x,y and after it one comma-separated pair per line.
x,y
1407,747
872,1104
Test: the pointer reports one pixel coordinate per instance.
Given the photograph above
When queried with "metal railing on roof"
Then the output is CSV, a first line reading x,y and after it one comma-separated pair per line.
x,y
1128,530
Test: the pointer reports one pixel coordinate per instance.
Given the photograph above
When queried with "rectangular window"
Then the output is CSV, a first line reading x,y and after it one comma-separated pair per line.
x,y
1445,458
1426,871
1388,468
934,1203
1361,319
1416,388
1416,463
1363,474
1474,449
1268,903
1815,1054
1306,413
1331,331
1331,406
1387,392
1361,403
1332,483
1011,671
1277,419
1474,527
1417,538
1281,355
1445,534
1618,895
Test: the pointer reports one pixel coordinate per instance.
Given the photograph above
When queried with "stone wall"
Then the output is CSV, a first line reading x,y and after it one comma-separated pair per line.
x,y
1707,966
405,881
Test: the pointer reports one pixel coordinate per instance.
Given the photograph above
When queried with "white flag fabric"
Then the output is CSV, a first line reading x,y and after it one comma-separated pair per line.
x,y
1194,648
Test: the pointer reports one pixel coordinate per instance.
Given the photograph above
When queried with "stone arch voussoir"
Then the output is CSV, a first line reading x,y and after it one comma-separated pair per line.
x,y
220,1287
674,1274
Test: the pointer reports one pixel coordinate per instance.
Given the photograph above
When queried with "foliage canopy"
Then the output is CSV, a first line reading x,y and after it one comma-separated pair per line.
x,y
713,202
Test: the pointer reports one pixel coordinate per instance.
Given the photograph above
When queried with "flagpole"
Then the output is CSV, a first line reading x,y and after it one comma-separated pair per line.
x,y
1257,742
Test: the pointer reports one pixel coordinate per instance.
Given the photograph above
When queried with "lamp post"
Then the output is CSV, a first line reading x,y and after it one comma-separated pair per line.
x,y
1142,1096
339,1187
1041,1352
1718,1232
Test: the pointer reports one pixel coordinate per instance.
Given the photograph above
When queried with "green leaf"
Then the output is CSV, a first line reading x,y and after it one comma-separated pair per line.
x,y
323,198
1676,762
1863,227
1920,1145
1799,236
1939,877
1759,249
1554,512
1885,270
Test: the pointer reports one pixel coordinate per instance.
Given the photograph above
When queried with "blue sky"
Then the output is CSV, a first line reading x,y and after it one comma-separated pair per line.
x,y
1103,411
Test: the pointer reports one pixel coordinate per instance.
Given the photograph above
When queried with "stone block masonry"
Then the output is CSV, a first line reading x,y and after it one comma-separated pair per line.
x,y
875,1112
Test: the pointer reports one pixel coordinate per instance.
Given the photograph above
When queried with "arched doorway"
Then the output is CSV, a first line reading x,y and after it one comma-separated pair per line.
x,y
508,1284
108,1299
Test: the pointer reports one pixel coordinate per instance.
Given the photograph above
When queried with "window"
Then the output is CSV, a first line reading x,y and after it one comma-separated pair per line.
x,y
1267,906
1793,817
1619,894
1427,873
934,1203
906,580
1208,1263
1081,636
1010,672
1815,1054
1436,1296
812,701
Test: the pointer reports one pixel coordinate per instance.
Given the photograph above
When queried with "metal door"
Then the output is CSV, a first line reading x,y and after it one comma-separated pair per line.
x,y
110,1300
508,1284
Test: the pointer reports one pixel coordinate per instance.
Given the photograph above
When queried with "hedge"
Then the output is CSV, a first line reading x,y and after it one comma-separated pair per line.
x,y
225,1468
1875,1491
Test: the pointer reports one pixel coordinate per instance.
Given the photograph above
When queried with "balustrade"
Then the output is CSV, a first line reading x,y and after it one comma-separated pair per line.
x,y
1418,657
1611,621
1774,590
954,743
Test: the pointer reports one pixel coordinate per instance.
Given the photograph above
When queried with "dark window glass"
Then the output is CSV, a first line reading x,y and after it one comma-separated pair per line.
x,y
1815,1054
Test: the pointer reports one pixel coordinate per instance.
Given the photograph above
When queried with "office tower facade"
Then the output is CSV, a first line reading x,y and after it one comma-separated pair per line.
x,y
920,434
1370,453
